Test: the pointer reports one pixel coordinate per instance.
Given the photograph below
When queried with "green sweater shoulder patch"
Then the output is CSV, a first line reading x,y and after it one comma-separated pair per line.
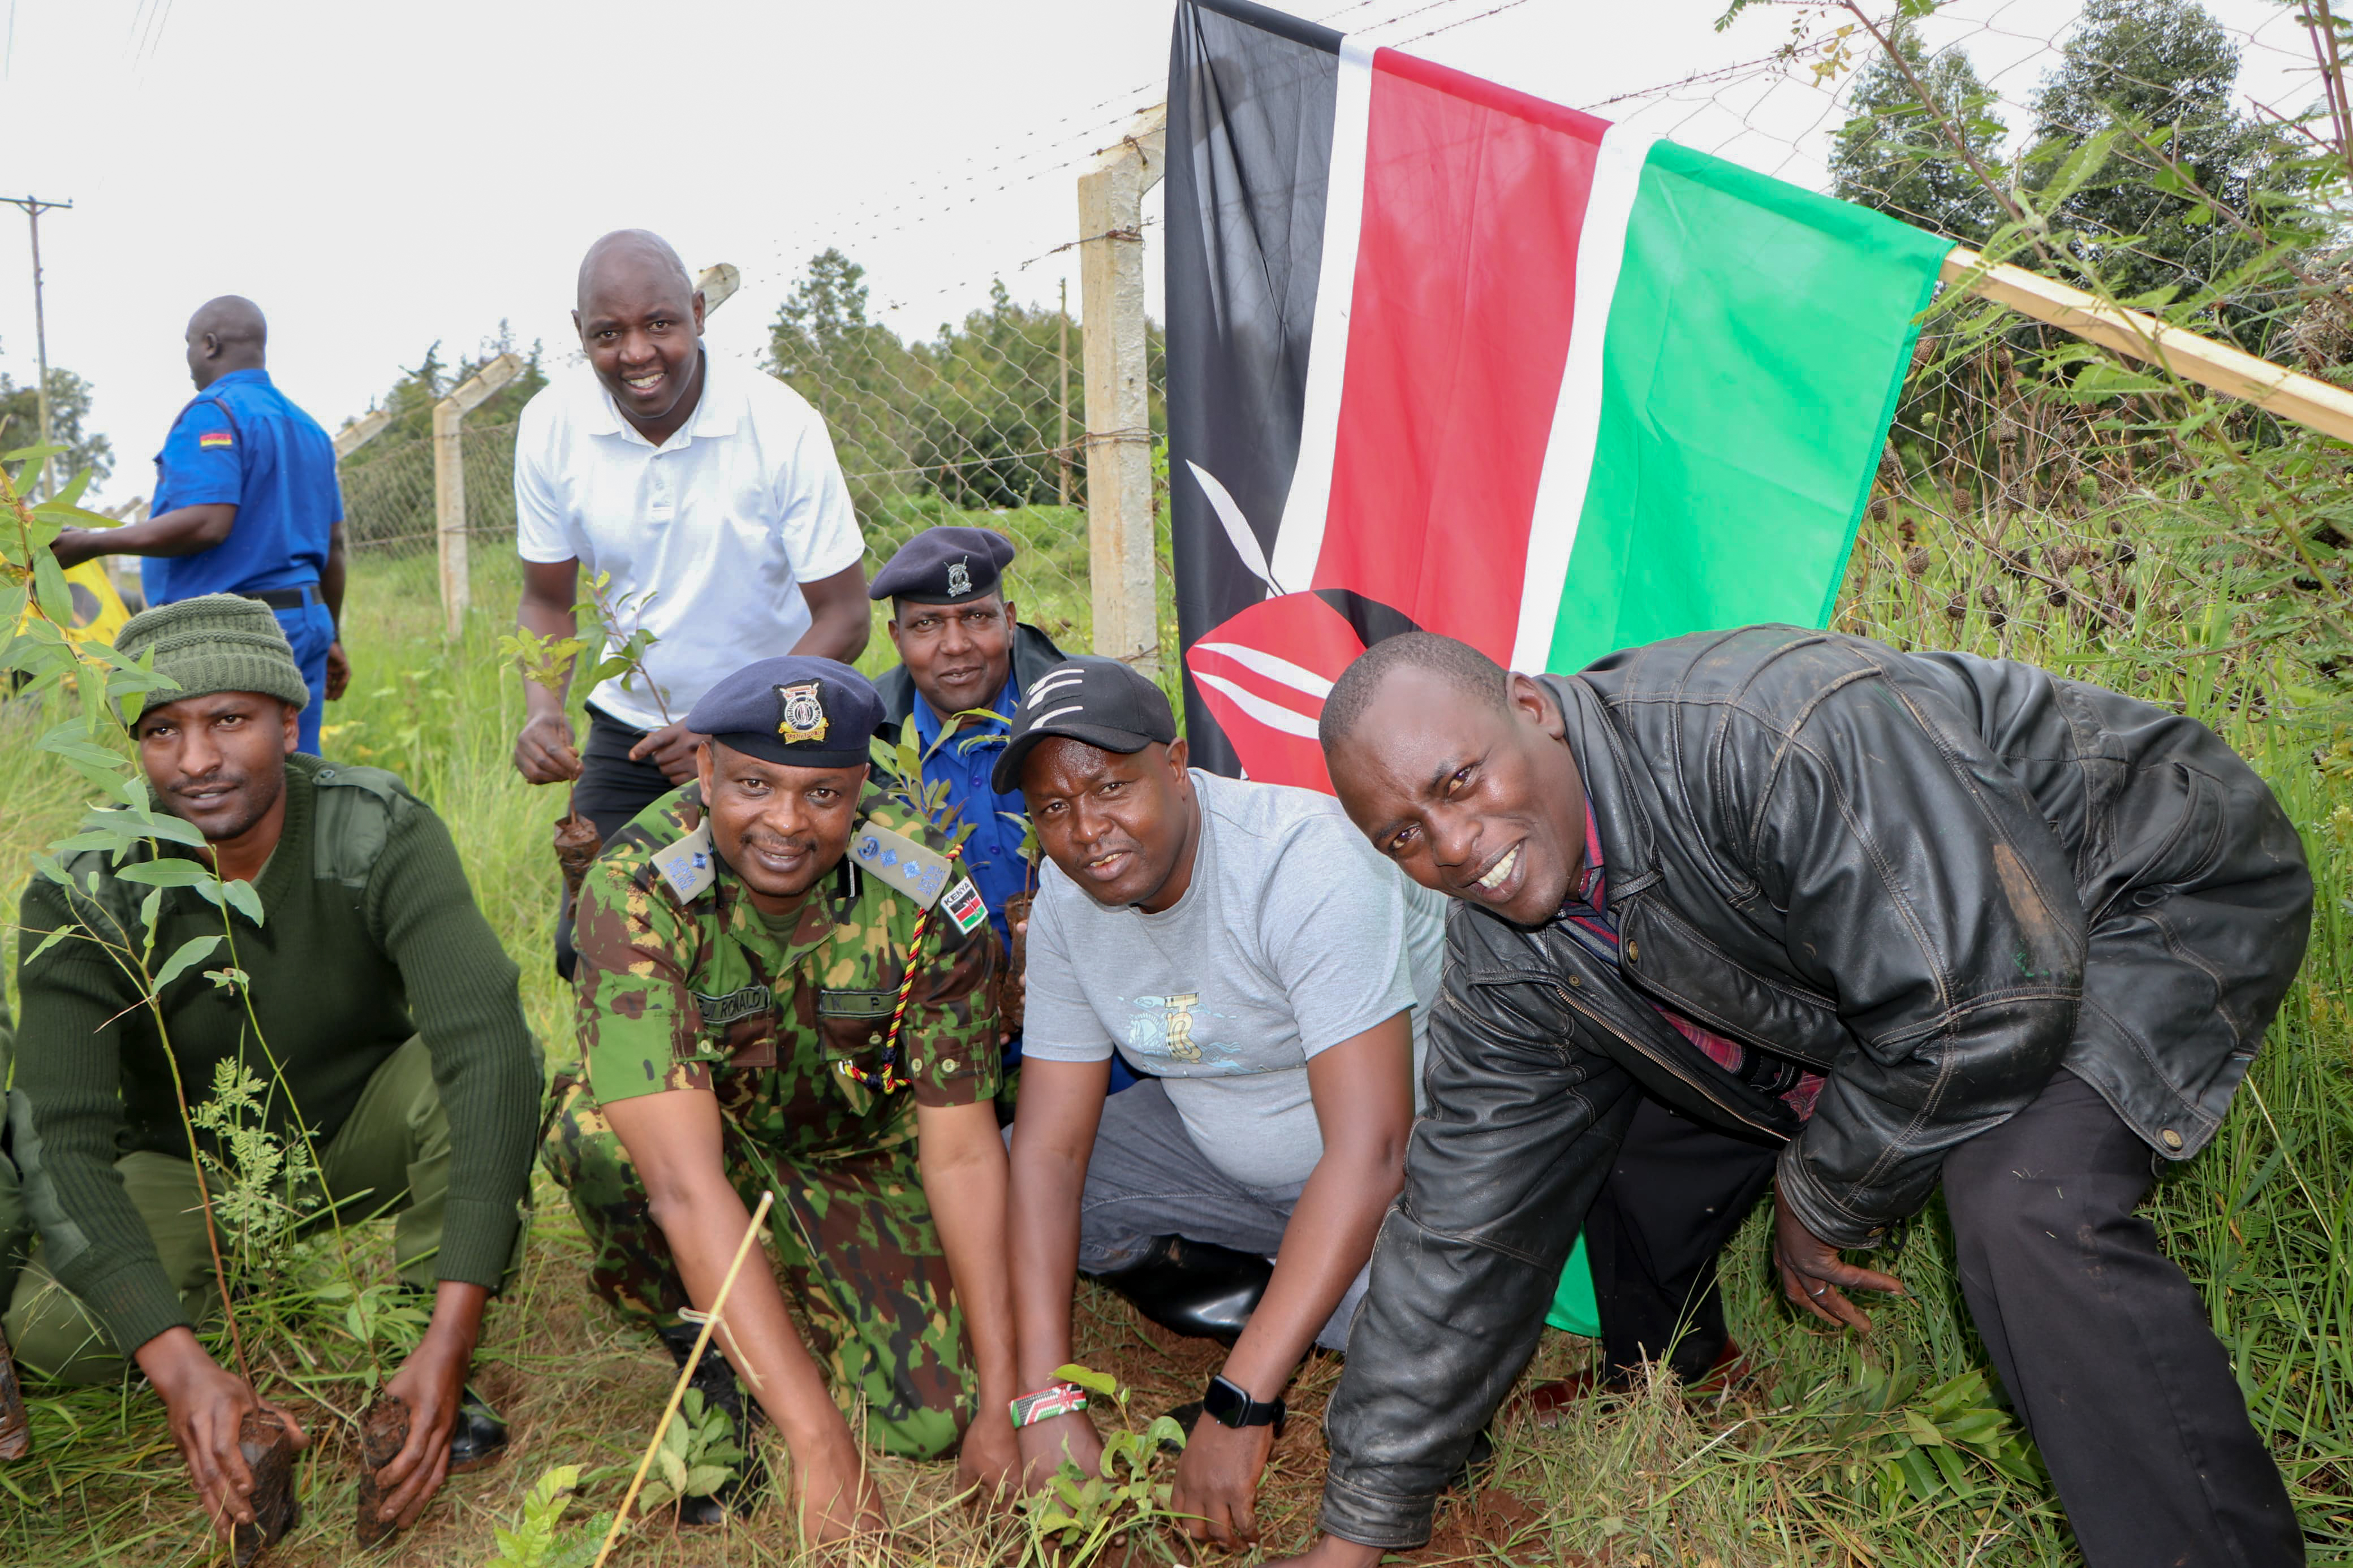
x,y
356,810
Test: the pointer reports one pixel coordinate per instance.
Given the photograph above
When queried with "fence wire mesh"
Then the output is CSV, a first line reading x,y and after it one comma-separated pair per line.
x,y
2153,151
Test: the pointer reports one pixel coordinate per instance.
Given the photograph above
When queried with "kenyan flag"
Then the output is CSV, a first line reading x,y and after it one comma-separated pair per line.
x,y
1444,355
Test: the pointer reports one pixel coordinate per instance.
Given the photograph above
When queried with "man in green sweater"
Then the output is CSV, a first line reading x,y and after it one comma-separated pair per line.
x,y
380,1010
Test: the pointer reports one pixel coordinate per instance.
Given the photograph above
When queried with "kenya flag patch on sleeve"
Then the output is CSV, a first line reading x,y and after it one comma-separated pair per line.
x,y
964,906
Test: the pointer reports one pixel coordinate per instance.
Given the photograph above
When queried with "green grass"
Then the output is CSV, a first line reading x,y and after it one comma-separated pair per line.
x,y
1815,1468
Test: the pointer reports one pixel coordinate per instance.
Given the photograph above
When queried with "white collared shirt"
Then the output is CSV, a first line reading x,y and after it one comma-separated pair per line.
x,y
707,537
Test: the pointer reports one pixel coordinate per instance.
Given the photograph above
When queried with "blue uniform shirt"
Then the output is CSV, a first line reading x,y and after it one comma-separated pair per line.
x,y
992,855
240,441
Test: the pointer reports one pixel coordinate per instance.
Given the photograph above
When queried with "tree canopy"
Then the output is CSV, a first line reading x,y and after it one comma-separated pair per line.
x,y
20,424
1893,157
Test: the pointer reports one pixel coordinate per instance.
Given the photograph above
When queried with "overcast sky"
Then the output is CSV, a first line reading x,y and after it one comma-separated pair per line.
x,y
381,176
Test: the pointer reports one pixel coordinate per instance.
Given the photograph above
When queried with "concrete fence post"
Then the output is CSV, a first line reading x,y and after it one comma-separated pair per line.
x,y
358,433
1119,411
450,481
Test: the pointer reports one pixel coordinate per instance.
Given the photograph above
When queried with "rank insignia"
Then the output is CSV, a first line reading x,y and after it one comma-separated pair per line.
x,y
800,713
920,873
959,578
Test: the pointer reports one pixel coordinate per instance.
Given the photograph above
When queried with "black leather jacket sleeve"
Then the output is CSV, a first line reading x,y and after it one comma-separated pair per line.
x,y
1521,1127
1915,882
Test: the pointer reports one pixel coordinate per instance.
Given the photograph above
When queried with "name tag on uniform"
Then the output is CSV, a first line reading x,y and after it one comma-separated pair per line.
x,y
856,1003
718,1012
919,873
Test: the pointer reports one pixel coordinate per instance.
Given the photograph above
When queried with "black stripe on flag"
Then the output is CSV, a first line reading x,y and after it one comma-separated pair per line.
x,y
1251,96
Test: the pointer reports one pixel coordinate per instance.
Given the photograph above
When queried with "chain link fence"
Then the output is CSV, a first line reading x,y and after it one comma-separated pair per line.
x,y
2151,150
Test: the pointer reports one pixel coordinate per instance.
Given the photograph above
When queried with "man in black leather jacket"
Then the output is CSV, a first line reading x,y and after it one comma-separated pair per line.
x,y
1911,916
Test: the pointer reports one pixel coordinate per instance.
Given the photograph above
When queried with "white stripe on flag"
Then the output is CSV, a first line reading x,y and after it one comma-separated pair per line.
x,y
1272,715
1577,415
1297,676
1299,541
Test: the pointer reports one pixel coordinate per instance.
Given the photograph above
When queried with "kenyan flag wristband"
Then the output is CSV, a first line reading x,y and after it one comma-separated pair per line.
x,y
1062,1399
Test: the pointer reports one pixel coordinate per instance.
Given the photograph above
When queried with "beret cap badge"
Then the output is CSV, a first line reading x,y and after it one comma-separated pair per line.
x,y
959,578
800,712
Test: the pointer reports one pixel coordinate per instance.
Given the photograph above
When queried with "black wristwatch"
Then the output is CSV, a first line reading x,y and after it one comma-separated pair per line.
x,y
1230,1405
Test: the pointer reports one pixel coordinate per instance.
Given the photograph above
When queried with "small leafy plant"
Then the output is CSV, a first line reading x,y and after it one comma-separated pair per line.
x,y
1078,1515
699,1455
538,1538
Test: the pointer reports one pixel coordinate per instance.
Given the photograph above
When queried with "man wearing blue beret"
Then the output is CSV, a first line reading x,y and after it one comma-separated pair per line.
x,y
785,984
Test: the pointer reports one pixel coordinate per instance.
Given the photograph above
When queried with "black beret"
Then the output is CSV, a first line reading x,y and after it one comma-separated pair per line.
x,y
800,710
944,567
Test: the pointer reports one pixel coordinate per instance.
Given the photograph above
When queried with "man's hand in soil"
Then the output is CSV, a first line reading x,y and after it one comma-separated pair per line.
x,y
544,752
1217,1482
1330,1551
670,749
207,1405
1045,1446
990,1458
1813,1272
833,1497
432,1382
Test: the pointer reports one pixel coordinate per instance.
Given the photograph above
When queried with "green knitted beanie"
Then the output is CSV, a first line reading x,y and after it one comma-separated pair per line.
x,y
221,642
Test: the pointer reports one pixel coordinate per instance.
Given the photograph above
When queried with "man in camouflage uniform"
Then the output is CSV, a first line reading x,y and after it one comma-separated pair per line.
x,y
741,969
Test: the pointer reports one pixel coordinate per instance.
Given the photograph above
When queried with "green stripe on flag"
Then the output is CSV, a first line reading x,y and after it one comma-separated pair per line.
x,y
1756,345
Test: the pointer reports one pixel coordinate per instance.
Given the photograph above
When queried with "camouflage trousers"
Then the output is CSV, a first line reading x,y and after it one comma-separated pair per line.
x,y
856,1250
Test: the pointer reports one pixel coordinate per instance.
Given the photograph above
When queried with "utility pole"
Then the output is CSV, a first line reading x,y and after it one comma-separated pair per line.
x,y
1062,410
34,207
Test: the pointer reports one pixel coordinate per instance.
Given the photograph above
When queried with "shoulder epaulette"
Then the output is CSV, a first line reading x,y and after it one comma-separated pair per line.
x,y
351,818
910,869
689,866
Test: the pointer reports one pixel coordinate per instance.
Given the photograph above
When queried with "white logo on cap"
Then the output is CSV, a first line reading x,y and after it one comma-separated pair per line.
x,y
959,578
1051,683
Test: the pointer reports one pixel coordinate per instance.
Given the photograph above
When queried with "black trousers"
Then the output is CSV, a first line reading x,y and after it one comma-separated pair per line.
x,y
2101,1342
611,790
1678,1192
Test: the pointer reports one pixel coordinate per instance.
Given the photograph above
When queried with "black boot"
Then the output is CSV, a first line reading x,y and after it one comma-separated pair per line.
x,y
1193,1288
478,1438
715,1381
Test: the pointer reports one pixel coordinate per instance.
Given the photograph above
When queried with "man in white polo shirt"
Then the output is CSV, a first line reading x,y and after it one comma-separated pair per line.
x,y
709,495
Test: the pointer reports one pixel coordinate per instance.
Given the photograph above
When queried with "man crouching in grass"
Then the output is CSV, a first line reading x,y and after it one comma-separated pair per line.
x,y
383,1015
747,1021
1239,942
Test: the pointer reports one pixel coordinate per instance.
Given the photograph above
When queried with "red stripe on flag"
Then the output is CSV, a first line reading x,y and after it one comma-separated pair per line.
x,y
1253,671
1465,284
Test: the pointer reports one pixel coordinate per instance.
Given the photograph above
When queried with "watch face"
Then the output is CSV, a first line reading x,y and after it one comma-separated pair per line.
x,y
1225,1403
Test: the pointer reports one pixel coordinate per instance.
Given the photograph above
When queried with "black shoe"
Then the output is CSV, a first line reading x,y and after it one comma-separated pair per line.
x,y
1193,1288
715,1381
480,1437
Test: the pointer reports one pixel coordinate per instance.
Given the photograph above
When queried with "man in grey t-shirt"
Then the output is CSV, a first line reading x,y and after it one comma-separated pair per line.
x,y
1243,945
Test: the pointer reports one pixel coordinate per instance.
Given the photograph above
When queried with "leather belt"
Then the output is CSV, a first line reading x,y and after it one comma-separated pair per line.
x,y
287,598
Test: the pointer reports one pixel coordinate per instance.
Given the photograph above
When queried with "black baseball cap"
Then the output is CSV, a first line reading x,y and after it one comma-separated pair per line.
x,y
1100,701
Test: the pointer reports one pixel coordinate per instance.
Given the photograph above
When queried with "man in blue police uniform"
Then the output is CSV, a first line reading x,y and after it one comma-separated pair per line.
x,y
246,503
962,650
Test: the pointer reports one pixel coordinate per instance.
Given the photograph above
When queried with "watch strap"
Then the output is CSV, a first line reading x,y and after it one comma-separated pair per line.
x,y
1229,1403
